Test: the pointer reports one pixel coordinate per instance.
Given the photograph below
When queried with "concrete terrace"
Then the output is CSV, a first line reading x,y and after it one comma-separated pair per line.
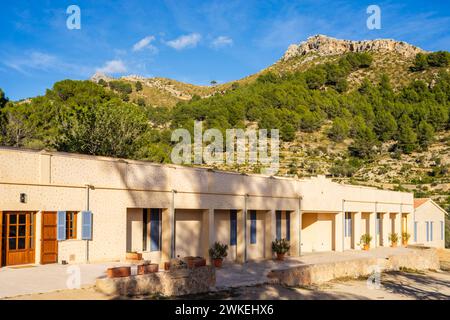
x,y
35,279
255,273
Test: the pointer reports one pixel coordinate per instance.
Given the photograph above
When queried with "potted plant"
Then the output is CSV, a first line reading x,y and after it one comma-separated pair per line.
x,y
365,241
217,252
393,238
280,247
405,238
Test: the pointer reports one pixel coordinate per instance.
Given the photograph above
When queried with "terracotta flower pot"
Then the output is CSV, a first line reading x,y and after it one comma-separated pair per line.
x,y
147,268
366,247
134,256
280,256
405,243
217,263
118,272
394,244
167,265
195,262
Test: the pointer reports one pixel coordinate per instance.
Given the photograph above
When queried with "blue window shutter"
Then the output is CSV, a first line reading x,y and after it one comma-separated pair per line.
x,y
155,230
61,222
233,227
252,227
278,224
431,230
288,226
442,230
415,231
86,225
426,226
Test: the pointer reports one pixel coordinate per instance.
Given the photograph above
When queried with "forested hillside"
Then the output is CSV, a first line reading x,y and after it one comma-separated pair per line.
x,y
371,131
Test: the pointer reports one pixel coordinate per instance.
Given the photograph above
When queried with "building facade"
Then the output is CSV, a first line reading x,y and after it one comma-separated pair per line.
x,y
429,224
58,207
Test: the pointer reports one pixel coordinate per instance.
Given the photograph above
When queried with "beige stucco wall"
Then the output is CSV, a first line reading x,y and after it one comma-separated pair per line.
x,y
317,232
430,212
188,231
120,189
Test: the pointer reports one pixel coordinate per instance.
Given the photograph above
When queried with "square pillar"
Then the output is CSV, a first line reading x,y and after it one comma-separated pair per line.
x,y
240,245
208,234
295,234
166,235
398,225
339,232
357,220
372,229
386,229
273,222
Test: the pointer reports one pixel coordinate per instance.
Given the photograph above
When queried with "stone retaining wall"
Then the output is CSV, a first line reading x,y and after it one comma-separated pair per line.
x,y
173,283
418,259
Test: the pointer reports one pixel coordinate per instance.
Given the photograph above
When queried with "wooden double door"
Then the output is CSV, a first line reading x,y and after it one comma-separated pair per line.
x,y
17,232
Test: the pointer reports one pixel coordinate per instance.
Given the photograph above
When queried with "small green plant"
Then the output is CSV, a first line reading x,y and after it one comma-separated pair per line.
x,y
405,237
365,239
281,246
393,238
218,251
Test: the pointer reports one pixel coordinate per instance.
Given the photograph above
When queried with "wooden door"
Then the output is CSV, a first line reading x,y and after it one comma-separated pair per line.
x,y
1,239
19,238
49,242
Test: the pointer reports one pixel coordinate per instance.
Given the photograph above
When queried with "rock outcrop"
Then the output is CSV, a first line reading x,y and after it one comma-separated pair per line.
x,y
325,46
100,76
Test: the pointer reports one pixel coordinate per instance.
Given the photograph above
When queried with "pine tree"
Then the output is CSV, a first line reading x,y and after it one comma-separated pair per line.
x,y
425,134
407,138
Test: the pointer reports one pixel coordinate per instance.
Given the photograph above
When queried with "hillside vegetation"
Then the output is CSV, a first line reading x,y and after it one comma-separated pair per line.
x,y
379,118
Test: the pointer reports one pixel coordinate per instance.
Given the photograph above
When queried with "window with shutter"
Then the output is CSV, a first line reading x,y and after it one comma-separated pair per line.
x,y
252,227
233,227
86,225
415,231
278,224
155,229
431,230
288,226
61,225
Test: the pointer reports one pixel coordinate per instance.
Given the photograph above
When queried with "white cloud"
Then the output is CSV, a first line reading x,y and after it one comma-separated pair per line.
x,y
186,41
222,41
113,66
31,61
144,43
35,60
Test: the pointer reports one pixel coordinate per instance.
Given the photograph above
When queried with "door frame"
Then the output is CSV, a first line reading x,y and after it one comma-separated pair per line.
x,y
41,261
30,221
1,239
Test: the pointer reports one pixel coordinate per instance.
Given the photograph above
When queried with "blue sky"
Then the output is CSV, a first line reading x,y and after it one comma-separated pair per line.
x,y
191,41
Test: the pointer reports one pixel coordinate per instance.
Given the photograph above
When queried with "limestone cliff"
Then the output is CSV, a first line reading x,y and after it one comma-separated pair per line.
x,y
325,46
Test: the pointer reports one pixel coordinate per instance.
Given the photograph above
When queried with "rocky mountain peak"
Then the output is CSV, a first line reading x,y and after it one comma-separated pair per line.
x,y
100,76
326,46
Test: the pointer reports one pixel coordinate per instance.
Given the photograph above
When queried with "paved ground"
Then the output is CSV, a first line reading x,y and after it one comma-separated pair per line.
x,y
255,273
393,286
22,280
43,279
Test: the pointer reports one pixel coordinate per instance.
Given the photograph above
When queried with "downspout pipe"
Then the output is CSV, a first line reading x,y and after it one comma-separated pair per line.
x,y
87,206
343,224
172,226
300,198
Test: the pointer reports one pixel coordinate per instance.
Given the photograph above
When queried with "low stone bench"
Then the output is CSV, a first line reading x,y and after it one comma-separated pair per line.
x,y
418,259
168,283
